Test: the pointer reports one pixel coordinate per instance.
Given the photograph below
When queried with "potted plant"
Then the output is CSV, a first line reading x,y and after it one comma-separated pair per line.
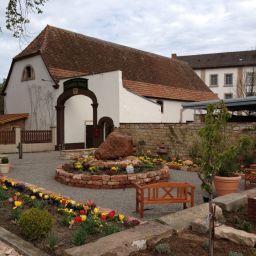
x,y
227,180
4,166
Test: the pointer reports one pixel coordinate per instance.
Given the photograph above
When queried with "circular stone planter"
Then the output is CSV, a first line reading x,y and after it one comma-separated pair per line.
x,y
111,181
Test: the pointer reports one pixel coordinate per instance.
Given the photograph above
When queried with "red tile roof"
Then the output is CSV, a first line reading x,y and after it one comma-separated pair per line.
x,y
68,54
12,117
167,92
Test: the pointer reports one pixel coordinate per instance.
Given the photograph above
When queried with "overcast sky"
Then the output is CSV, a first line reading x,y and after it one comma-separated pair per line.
x,y
160,26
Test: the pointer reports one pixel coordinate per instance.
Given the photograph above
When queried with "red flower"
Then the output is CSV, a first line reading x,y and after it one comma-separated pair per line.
x,y
103,217
78,219
82,212
111,214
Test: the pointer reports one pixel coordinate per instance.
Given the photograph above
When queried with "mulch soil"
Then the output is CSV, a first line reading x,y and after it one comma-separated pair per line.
x,y
189,243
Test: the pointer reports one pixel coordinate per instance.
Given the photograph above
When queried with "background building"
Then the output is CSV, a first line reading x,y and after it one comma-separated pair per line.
x,y
229,74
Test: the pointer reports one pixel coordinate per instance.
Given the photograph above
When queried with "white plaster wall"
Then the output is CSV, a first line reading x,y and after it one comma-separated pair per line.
x,y
221,89
35,97
78,112
171,113
136,109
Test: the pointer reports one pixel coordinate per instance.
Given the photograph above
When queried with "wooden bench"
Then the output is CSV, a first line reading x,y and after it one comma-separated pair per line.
x,y
164,193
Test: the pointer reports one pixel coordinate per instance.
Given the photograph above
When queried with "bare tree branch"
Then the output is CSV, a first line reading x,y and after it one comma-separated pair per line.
x,y
17,13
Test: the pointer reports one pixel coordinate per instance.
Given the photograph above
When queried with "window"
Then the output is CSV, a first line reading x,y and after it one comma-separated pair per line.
x,y
161,103
249,78
228,95
228,79
28,73
214,80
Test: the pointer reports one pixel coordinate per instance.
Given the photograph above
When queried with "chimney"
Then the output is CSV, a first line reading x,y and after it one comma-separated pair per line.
x,y
174,56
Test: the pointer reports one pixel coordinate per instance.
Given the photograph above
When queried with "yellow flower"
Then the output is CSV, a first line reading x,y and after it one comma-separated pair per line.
x,y
33,197
83,217
46,196
17,204
121,217
92,168
4,187
114,168
41,194
17,193
12,183
96,210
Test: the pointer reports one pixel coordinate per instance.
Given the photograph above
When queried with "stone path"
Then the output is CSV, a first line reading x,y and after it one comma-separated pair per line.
x,y
6,250
39,169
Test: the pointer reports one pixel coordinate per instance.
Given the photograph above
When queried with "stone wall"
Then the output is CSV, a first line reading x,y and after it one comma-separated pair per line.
x,y
111,181
179,137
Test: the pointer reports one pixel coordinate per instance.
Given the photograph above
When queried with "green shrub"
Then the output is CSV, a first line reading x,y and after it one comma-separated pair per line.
x,y
16,213
247,147
163,248
90,226
247,226
79,236
5,160
38,204
3,194
52,241
66,219
35,223
110,228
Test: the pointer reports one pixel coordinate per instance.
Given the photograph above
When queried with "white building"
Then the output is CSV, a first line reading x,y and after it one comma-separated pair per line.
x,y
229,74
86,86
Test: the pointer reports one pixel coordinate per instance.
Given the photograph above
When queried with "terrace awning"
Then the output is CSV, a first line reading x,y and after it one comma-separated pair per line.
x,y
238,104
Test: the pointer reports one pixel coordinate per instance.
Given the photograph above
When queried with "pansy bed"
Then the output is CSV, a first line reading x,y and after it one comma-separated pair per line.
x,y
126,172
54,223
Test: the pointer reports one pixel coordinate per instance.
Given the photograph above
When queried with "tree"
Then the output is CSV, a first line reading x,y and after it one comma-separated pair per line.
x,y
17,13
246,84
213,144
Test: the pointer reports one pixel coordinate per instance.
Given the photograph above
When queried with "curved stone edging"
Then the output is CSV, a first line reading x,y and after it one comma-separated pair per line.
x,y
111,181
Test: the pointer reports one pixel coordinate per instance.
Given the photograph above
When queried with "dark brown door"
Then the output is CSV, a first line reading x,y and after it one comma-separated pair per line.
x,y
89,136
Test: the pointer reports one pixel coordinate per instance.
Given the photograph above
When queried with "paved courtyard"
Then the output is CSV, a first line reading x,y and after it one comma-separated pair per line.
x,y
39,169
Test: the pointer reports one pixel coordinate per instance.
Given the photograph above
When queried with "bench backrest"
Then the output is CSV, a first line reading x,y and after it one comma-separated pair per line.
x,y
167,190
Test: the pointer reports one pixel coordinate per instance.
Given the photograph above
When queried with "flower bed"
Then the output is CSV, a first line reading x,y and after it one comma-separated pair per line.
x,y
110,181
92,173
66,224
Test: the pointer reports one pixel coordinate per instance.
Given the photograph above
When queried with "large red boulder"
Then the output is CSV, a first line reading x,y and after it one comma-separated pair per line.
x,y
115,146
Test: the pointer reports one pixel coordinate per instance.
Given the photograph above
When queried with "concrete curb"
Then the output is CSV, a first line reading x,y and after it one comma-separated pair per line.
x,y
22,246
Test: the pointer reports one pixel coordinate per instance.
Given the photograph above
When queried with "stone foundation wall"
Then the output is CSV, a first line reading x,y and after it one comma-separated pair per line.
x,y
110,181
179,137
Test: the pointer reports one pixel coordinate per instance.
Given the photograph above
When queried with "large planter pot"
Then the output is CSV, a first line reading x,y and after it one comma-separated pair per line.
x,y
226,185
4,168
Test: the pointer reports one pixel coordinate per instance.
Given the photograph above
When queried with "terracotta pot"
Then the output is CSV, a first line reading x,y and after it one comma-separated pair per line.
x,y
226,185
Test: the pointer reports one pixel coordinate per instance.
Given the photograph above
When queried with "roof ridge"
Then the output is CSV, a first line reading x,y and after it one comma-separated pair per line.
x,y
214,53
113,44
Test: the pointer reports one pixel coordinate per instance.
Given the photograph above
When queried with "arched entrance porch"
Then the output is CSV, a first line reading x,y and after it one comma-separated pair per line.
x,y
73,87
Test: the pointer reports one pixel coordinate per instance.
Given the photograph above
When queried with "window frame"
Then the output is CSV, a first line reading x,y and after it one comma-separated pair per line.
x,y
25,72
217,80
225,80
230,93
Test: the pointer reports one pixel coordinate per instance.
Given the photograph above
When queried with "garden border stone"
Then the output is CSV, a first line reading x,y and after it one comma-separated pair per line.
x,y
22,246
111,181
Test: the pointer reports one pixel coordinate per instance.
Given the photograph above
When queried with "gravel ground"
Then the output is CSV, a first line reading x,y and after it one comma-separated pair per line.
x,y
39,169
